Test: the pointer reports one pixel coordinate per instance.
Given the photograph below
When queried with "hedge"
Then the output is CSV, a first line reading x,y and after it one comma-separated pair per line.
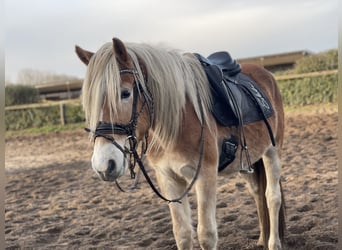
x,y
326,60
38,117
20,94
295,92
309,90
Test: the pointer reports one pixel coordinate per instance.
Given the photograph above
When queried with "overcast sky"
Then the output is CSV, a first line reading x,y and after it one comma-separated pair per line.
x,y
41,34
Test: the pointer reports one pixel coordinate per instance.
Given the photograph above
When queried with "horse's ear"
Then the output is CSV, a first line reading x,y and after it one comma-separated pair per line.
x,y
84,55
120,52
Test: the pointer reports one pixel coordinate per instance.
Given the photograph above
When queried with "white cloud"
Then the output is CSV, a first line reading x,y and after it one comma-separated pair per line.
x,y
41,34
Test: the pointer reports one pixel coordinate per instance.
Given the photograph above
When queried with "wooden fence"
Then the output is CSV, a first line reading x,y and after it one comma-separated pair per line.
x,y
61,104
310,74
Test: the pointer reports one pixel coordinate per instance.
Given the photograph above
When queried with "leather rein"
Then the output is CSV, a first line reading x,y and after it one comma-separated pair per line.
x,y
106,130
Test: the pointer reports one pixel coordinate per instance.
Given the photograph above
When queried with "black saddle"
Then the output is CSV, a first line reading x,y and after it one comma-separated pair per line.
x,y
236,98
234,94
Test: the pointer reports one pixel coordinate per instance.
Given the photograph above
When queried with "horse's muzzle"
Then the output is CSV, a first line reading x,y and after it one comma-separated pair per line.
x,y
111,173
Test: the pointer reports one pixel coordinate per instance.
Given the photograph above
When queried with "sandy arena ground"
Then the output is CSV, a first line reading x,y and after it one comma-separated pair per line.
x,y
55,200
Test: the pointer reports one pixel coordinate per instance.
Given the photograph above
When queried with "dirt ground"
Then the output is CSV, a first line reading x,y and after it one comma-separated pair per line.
x,y
55,200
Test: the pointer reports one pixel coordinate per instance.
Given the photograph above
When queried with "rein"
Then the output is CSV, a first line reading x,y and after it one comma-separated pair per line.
x,y
105,130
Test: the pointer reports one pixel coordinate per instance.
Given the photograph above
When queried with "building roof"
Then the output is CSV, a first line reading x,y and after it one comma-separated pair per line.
x,y
62,86
60,90
71,89
273,60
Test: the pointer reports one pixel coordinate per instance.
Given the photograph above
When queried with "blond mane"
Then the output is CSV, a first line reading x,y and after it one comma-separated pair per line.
x,y
173,79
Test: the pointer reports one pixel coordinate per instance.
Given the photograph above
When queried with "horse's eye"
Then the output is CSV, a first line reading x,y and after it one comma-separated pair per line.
x,y
125,94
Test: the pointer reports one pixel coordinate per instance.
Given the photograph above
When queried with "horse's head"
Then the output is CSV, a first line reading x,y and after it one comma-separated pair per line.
x,y
117,106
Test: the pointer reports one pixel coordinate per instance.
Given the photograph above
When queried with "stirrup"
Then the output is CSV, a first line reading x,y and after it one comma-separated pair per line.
x,y
243,170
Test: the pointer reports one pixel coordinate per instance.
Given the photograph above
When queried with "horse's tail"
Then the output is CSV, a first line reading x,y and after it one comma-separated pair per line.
x,y
264,215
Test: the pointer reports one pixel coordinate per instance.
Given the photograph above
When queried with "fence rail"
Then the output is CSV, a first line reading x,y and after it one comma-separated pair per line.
x,y
43,104
77,101
310,74
62,104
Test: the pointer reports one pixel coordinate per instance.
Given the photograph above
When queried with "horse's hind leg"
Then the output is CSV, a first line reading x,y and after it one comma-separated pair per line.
x,y
172,187
274,197
257,190
264,185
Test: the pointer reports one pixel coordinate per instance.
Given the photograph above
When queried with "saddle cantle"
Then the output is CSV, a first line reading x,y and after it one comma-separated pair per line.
x,y
222,64
236,98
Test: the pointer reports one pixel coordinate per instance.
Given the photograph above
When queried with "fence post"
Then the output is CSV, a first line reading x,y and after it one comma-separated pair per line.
x,y
61,111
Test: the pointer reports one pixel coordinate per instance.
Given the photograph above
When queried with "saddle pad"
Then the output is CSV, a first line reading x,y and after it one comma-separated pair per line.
x,y
251,102
233,94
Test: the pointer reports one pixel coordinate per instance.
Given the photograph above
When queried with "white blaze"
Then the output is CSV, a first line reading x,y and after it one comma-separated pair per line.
x,y
104,151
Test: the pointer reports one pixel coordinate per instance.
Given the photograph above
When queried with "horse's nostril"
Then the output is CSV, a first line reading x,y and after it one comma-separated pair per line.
x,y
111,167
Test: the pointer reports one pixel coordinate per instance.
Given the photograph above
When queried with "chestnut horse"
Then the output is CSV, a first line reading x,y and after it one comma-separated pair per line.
x,y
159,101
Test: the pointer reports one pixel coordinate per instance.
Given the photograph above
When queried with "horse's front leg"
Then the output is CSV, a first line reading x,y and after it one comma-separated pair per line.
x,y
206,206
172,187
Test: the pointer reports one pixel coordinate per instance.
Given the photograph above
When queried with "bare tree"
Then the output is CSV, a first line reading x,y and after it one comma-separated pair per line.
x,y
34,77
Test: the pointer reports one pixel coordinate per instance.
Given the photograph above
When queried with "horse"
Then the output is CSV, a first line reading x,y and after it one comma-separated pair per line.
x,y
138,97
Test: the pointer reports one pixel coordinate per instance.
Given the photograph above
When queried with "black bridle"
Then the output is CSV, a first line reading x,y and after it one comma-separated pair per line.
x,y
106,130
